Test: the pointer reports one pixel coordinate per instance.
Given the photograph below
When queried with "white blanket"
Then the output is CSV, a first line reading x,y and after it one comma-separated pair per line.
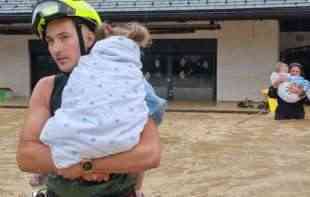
x,y
103,108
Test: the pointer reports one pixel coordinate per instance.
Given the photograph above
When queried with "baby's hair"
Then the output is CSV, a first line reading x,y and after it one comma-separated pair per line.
x,y
279,65
133,30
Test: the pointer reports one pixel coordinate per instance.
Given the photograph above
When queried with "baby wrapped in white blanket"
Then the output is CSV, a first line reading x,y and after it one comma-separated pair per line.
x,y
103,107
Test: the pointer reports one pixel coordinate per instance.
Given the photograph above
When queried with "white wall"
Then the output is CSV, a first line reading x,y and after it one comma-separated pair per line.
x,y
247,52
15,64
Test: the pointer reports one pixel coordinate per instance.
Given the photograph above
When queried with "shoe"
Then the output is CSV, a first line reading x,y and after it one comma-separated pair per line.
x,y
39,194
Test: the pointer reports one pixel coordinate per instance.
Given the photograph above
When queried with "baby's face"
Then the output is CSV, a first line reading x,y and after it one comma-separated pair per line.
x,y
283,69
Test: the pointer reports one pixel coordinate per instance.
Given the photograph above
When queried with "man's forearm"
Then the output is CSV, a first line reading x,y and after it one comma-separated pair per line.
x,y
144,156
35,157
124,162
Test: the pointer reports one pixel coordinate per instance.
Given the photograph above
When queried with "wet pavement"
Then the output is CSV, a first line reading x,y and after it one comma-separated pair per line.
x,y
204,154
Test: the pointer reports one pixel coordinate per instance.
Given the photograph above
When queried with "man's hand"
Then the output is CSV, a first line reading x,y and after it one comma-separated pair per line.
x,y
295,89
76,172
98,177
72,172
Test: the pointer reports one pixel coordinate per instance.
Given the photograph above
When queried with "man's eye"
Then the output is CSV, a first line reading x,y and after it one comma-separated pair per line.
x,y
64,37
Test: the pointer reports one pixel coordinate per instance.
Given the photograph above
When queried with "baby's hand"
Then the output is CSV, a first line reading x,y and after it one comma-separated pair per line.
x,y
283,77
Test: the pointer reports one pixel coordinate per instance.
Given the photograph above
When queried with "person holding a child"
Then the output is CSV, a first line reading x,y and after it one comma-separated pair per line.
x,y
289,88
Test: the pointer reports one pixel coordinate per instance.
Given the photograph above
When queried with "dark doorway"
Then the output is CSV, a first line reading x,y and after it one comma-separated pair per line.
x,y
300,55
41,63
182,69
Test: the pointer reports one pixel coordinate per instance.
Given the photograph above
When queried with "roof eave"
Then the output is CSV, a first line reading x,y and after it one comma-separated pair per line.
x,y
229,14
185,15
15,18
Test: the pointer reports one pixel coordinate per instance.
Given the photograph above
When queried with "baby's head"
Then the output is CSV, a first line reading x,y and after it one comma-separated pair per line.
x,y
281,67
135,31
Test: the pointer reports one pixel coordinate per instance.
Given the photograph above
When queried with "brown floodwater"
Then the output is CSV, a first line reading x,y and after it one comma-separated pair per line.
x,y
204,154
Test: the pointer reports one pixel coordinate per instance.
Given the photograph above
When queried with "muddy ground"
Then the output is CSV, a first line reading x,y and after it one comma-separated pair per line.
x,y
204,154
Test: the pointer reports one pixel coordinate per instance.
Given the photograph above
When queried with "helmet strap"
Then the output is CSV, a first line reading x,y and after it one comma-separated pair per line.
x,y
78,27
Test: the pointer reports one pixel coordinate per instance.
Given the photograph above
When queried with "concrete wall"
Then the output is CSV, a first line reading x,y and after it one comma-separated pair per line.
x,y
15,64
247,52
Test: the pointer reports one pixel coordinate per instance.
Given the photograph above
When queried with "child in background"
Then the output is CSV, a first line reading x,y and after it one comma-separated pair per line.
x,y
280,75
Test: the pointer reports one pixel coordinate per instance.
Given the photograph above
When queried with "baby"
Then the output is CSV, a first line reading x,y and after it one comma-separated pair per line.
x,y
281,74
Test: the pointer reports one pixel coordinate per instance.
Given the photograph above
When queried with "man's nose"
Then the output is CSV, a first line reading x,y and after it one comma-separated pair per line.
x,y
57,46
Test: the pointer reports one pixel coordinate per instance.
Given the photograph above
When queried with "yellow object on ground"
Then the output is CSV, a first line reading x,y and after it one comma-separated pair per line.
x,y
272,103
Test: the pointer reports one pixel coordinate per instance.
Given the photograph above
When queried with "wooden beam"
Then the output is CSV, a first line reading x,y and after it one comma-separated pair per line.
x,y
16,29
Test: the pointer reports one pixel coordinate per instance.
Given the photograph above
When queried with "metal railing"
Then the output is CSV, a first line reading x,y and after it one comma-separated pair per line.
x,y
113,5
7,6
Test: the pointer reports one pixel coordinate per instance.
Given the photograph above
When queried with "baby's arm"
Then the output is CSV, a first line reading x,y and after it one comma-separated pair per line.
x,y
156,105
273,77
277,78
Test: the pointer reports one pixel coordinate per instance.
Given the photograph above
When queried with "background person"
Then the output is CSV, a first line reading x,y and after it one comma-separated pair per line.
x,y
287,110
281,80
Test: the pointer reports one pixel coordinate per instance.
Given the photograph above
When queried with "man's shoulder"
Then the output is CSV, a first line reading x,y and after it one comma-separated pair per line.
x,y
46,82
43,89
